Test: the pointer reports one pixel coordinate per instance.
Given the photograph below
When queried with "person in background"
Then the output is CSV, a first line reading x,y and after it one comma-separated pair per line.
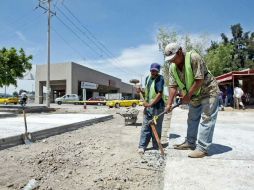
x,y
238,93
221,107
23,98
229,96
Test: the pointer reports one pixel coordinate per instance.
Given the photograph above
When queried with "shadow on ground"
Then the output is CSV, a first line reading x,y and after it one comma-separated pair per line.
x,y
164,145
134,124
173,136
219,149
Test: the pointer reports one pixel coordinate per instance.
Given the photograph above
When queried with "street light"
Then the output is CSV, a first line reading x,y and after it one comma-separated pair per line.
x,y
135,82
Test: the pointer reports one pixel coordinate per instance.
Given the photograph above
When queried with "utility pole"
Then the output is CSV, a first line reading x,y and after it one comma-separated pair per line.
x,y
48,68
48,9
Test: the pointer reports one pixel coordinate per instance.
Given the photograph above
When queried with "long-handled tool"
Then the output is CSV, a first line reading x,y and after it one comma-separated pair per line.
x,y
155,118
153,123
26,136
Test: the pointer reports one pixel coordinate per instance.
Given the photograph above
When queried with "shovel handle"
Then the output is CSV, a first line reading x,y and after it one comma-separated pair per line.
x,y
24,114
162,113
157,138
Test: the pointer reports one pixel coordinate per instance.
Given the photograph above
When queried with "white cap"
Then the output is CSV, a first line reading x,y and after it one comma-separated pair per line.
x,y
171,50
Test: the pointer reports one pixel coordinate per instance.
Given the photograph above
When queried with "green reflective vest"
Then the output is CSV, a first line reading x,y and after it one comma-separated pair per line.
x,y
188,73
150,93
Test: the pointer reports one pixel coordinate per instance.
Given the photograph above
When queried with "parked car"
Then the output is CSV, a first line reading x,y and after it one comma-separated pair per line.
x,y
99,100
67,98
122,103
8,99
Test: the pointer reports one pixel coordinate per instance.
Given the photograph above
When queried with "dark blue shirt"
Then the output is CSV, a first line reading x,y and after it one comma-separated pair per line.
x,y
159,86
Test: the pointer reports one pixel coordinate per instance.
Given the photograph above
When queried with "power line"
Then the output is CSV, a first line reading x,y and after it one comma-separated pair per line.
x,y
74,33
94,40
81,31
86,35
67,43
92,35
86,42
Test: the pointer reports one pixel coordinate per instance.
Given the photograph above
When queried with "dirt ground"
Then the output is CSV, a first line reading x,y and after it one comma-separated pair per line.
x,y
100,156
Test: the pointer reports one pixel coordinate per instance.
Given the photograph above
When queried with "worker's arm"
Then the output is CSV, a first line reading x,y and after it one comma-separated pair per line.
x,y
172,94
197,84
155,101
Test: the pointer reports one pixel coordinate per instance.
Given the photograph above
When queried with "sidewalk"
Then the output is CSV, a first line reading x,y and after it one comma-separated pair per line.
x,y
230,165
44,125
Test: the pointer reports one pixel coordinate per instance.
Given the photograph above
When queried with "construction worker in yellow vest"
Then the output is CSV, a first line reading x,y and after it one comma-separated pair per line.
x,y
189,73
154,105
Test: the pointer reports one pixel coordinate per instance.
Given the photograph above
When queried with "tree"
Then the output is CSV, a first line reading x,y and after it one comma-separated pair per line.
x,y
13,65
166,36
163,38
219,60
15,94
240,48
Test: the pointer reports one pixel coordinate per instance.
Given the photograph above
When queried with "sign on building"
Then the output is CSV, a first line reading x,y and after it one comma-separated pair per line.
x,y
89,85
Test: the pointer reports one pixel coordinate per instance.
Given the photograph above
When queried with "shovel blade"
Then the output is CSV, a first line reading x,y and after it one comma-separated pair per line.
x,y
27,138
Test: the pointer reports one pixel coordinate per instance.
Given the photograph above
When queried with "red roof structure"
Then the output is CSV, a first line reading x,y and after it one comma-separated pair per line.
x,y
235,75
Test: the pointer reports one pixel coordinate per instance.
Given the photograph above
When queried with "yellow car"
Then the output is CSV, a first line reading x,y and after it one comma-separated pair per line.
x,y
122,103
9,100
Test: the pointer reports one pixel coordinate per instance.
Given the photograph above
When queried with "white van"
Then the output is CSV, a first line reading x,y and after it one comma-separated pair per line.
x,y
67,98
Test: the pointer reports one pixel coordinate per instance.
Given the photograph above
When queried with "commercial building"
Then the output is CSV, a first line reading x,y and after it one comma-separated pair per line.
x,y
72,78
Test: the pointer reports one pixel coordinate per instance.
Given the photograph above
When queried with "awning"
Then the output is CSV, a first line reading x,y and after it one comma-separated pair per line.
x,y
229,76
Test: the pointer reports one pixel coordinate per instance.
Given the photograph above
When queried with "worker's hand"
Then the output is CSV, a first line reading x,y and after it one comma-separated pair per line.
x,y
168,108
186,99
146,105
138,90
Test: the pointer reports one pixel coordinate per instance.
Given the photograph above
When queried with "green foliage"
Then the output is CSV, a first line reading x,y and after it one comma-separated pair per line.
x,y
166,36
15,94
13,65
231,54
219,60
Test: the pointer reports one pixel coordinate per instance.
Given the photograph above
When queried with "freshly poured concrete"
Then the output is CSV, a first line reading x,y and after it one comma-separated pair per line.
x,y
230,164
15,126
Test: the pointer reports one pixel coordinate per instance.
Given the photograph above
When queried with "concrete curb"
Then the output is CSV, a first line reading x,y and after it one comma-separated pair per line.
x,y
29,109
38,135
7,114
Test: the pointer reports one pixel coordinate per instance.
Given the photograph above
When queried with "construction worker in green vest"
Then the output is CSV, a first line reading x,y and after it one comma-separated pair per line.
x,y
154,105
188,72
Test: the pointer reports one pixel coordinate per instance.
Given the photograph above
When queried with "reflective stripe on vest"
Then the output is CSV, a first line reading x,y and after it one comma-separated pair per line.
x,y
188,74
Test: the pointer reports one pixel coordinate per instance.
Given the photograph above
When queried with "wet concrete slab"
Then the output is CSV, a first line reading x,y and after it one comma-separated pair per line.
x,y
44,125
230,164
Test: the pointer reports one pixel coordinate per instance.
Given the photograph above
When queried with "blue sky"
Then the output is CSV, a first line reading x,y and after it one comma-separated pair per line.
x,y
126,27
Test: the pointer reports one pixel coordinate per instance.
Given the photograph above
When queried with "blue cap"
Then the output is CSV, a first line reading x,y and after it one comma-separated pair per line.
x,y
155,67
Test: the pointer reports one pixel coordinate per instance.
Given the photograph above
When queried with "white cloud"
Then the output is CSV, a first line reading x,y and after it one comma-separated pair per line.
x,y
135,61
21,36
131,63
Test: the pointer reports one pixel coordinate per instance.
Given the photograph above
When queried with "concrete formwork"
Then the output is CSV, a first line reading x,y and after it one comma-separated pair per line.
x,y
44,125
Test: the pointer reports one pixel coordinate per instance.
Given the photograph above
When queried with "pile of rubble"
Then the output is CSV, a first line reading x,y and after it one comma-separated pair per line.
x,y
129,111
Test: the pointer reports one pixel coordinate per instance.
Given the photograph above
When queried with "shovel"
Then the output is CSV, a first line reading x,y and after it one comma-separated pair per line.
x,y
26,136
153,123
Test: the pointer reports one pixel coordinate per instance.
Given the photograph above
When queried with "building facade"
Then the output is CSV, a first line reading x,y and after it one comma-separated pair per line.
x,y
72,78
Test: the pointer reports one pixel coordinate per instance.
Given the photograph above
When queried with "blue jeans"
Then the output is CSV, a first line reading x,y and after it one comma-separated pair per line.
x,y
146,131
201,121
